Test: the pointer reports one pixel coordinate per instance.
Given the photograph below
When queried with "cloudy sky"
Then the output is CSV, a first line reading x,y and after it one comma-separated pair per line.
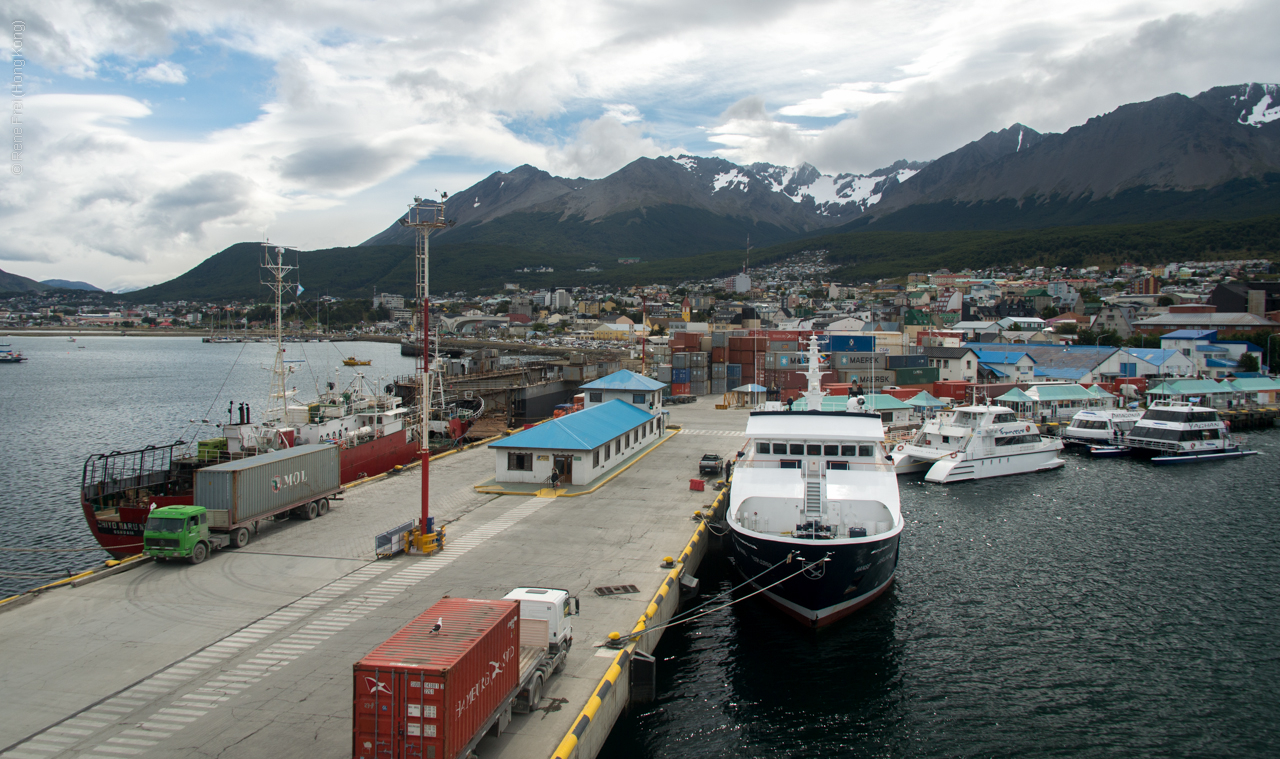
x,y
155,134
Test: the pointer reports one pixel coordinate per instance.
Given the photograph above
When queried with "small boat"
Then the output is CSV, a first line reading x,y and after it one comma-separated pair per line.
x,y
1099,426
353,361
71,339
11,357
974,443
1108,451
1177,432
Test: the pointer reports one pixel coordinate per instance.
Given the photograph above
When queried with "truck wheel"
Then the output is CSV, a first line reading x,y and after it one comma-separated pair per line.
x,y
323,506
535,692
240,537
198,553
310,511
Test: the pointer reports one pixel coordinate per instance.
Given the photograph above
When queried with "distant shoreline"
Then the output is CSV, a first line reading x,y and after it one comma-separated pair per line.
x,y
161,332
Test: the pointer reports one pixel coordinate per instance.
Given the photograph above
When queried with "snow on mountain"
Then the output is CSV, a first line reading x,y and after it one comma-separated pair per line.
x,y
831,194
1262,112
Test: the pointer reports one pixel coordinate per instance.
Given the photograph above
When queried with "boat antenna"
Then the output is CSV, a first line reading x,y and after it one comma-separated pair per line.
x,y
273,262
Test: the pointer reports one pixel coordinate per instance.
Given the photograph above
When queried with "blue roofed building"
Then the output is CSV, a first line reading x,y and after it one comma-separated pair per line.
x,y
579,447
1005,365
1211,357
1147,362
626,386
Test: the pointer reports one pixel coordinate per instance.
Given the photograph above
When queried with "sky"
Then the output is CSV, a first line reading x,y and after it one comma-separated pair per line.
x,y
153,135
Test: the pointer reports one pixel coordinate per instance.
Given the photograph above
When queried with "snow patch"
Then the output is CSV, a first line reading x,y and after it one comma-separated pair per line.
x,y
1262,113
476,204
1019,150
689,162
729,179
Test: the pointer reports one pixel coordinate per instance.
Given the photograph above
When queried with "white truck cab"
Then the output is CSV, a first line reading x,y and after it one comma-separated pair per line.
x,y
550,605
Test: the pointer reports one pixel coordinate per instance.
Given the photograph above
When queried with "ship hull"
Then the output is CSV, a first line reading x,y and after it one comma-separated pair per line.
x,y
854,576
121,536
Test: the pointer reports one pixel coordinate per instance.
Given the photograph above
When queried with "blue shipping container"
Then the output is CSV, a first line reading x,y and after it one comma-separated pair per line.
x,y
851,343
679,376
734,371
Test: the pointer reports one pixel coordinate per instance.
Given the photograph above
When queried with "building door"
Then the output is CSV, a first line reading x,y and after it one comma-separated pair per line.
x,y
564,467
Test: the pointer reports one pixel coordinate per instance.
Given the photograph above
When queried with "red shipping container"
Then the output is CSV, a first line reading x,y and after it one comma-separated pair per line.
x,y
425,694
680,388
718,355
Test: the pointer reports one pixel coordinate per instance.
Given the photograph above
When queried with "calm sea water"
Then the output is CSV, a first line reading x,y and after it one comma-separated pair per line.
x,y
1110,608
102,394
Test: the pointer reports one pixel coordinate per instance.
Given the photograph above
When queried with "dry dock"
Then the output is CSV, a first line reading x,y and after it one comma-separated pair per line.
x,y
250,653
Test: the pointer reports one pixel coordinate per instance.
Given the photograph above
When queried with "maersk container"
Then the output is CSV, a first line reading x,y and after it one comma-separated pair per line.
x,y
265,484
851,343
427,692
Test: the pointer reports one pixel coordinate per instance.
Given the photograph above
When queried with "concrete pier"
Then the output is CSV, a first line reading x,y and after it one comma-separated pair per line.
x,y
250,653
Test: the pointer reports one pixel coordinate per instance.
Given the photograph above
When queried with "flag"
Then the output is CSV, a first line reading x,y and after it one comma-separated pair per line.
x,y
300,288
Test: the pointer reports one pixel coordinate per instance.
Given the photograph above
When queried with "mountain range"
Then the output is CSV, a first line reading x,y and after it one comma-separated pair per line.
x,y
1214,156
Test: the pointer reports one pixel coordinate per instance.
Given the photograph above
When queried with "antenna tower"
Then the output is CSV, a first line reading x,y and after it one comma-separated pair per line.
x,y
273,262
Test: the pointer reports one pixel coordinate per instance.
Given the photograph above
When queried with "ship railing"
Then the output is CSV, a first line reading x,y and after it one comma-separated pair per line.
x,y
803,473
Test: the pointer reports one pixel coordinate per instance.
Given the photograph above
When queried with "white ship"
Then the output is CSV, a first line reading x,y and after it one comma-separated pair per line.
x,y
813,510
1176,432
1099,426
974,443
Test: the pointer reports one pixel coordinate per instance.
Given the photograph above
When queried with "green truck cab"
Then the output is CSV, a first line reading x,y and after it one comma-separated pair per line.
x,y
180,532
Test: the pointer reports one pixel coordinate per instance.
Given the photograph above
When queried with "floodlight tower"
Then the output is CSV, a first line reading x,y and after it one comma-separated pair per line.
x,y
424,216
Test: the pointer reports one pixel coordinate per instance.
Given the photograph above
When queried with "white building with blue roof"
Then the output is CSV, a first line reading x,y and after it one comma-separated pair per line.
x,y
626,386
578,447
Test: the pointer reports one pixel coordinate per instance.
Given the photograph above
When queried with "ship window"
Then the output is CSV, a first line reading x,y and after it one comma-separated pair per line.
x,y
848,450
519,462
830,450
840,465
762,447
866,451
797,449
1003,418
815,450
789,464
780,448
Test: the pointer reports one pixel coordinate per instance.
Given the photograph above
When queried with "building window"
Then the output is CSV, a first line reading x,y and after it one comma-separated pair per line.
x,y
595,396
595,458
519,462
946,363
617,446
606,451
637,398
968,364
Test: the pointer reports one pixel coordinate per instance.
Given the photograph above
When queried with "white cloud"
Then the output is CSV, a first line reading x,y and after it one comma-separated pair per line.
x,y
353,120
163,72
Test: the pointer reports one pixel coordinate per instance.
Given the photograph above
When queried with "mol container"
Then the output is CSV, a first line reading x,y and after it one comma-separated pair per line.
x,y
268,483
426,694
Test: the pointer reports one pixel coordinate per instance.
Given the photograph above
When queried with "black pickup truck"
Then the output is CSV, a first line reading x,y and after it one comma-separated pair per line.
x,y
711,464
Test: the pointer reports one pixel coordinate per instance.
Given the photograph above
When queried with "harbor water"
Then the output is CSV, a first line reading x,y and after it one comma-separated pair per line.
x,y
114,393
1110,608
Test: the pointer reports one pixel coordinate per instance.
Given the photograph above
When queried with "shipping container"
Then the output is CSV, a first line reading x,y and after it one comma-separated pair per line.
x,y
857,360
787,346
915,375
719,371
906,362
719,340
868,378
704,345
733,370
851,343
698,374
679,376
719,355
664,373
698,359
426,693
679,360
718,386
679,388
699,388
247,489
783,335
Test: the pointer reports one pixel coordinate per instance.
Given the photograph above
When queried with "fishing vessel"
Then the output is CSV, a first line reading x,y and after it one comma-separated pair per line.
x,y
353,361
1178,432
371,428
9,356
1099,426
974,443
814,511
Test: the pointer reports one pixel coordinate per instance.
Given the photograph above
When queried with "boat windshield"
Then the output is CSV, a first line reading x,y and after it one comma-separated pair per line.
x,y
165,524
964,419
1179,415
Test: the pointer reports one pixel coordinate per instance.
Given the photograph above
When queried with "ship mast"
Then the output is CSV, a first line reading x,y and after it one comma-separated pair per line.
x,y
424,216
278,396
